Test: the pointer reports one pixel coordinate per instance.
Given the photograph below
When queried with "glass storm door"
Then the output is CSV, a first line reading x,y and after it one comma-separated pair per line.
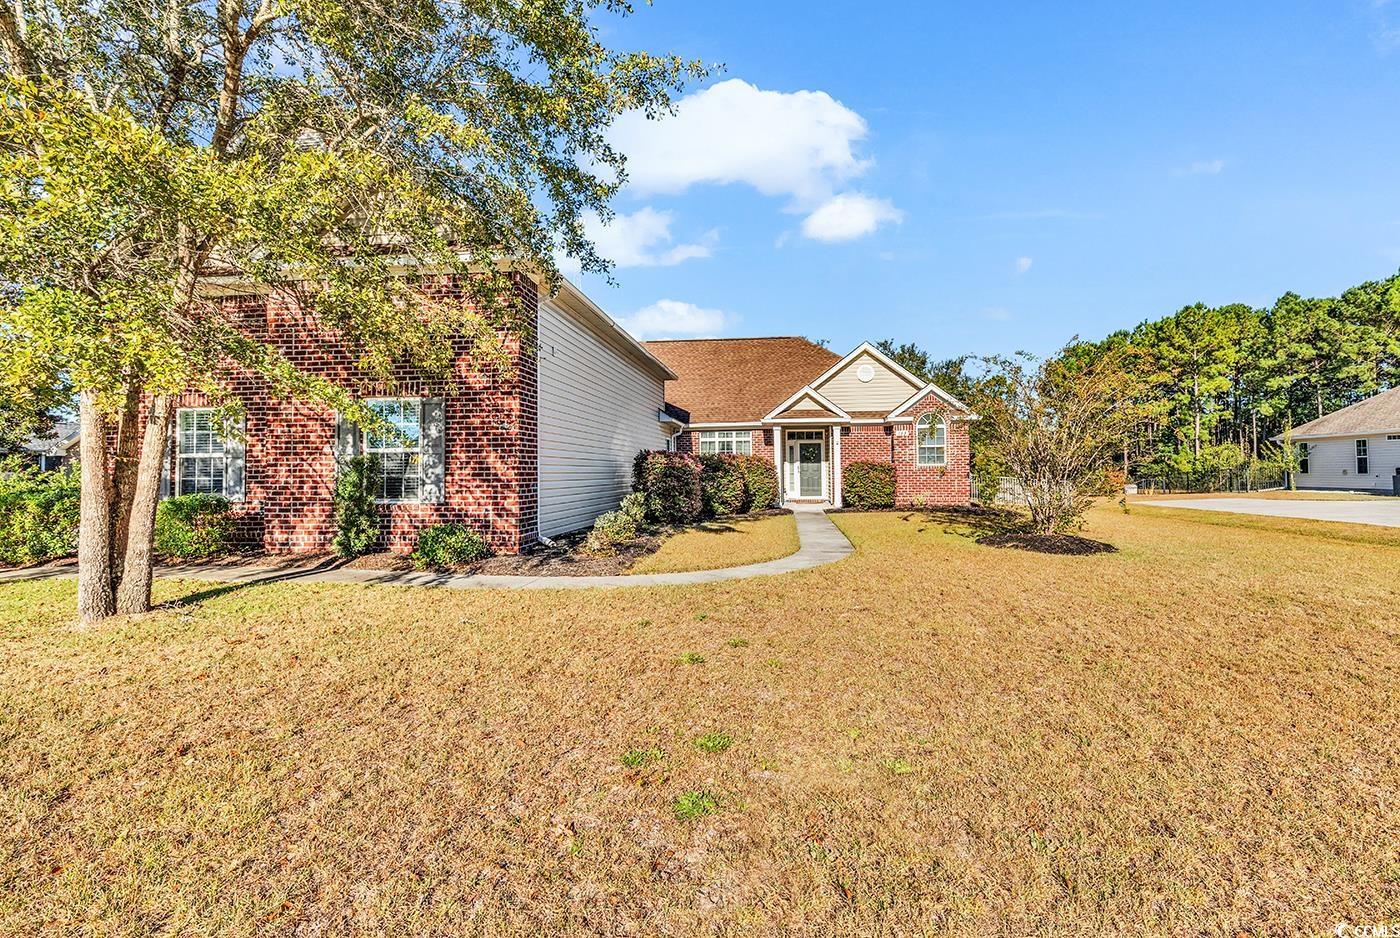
x,y
809,461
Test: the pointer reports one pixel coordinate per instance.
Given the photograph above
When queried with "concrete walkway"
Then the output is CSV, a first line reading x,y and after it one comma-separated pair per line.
x,y
1382,511
820,542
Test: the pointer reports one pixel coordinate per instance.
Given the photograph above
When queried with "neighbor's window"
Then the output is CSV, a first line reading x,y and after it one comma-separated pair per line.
x,y
932,434
1363,462
1302,459
726,441
199,452
398,449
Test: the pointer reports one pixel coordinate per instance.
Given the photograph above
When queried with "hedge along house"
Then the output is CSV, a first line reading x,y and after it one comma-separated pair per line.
x,y
814,412
538,449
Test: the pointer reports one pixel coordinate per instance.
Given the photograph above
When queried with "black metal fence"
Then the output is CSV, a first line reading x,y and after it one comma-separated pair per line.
x,y
1223,480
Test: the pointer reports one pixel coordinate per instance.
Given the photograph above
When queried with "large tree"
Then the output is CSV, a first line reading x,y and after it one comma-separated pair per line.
x,y
146,145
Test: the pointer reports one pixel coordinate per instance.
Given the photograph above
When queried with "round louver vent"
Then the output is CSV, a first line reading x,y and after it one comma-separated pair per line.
x,y
865,373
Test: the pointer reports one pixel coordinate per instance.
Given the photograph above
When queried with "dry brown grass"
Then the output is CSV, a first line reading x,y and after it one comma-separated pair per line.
x,y
1195,735
725,543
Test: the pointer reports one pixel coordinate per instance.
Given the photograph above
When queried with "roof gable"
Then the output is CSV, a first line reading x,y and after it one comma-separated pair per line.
x,y
808,404
1379,413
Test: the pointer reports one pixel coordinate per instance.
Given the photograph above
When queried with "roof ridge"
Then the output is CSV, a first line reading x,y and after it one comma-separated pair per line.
x,y
737,338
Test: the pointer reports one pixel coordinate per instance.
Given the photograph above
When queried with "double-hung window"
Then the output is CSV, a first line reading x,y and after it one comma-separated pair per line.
x,y
1363,461
931,441
397,446
1302,459
199,453
726,441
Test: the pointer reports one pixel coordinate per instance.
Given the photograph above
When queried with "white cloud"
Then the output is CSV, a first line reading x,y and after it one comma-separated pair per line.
x,y
798,144
848,216
643,239
675,319
1201,168
1023,264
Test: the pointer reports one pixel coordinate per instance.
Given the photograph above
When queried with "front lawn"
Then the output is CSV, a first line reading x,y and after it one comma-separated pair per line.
x,y
723,543
1196,734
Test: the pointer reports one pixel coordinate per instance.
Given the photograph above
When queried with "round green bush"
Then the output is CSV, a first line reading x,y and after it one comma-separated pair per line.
x,y
722,489
868,485
38,515
670,483
760,483
193,527
442,546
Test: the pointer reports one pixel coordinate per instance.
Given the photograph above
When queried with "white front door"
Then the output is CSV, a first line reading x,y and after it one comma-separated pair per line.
x,y
806,464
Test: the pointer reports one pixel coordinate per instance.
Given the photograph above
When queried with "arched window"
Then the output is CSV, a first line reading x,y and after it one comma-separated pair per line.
x,y
931,434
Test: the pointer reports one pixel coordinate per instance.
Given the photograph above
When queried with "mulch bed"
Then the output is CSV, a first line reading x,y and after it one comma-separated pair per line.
x,y
1070,544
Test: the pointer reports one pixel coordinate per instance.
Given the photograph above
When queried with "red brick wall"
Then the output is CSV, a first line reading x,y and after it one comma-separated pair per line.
x,y
914,484
888,443
933,485
491,438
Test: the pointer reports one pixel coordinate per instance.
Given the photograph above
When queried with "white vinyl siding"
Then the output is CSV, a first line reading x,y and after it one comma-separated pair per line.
x,y
883,392
1332,464
598,407
726,441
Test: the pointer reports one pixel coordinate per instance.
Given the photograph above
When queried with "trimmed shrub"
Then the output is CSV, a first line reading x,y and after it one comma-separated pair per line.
x,y
38,514
193,527
449,545
611,530
760,483
670,485
722,490
868,485
634,506
356,514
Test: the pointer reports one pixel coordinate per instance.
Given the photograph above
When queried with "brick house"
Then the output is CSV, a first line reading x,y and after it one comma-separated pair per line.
x,y
545,446
538,449
814,412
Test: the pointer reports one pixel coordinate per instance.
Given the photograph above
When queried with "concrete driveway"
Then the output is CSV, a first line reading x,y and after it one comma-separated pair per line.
x,y
1382,511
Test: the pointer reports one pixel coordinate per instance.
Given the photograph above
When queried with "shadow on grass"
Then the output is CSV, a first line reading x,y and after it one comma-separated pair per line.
x,y
260,578
999,527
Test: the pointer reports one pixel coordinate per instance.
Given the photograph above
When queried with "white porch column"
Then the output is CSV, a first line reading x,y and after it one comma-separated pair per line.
x,y
836,467
778,461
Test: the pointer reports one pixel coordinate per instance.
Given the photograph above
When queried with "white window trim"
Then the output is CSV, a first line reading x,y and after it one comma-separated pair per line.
x,y
1362,449
365,448
919,448
1304,455
733,437
180,457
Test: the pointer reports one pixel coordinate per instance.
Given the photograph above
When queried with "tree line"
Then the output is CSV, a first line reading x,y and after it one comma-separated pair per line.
x,y
1208,387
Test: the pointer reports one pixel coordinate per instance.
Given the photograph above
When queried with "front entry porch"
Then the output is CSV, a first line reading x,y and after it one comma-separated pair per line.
x,y
805,458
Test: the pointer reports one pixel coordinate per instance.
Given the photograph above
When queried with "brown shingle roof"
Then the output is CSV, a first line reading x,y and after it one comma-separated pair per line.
x,y
738,380
1378,414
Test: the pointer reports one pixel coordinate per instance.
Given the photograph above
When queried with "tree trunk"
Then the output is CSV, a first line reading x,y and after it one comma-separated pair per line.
x,y
124,462
1196,407
134,593
95,600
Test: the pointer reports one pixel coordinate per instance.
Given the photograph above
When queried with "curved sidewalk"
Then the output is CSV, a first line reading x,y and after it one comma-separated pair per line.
x,y
820,542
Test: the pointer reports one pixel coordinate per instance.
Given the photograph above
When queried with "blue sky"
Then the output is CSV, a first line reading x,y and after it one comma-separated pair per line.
x,y
983,178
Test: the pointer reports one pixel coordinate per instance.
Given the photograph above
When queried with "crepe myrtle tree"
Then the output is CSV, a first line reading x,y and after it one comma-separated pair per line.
x,y
1054,425
146,146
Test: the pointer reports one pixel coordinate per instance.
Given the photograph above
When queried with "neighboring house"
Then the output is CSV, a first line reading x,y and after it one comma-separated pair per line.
x,y
1356,448
814,412
540,451
56,450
